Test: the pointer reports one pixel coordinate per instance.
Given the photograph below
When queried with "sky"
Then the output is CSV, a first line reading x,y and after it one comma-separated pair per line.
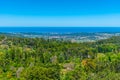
x,y
62,13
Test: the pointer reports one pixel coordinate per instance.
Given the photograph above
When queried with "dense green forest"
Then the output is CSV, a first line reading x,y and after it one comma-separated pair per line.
x,y
41,59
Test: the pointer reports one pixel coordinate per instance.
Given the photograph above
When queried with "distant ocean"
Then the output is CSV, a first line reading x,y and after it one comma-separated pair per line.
x,y
59,29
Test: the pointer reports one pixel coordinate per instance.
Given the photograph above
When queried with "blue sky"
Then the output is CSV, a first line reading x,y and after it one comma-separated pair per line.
x,y
60,13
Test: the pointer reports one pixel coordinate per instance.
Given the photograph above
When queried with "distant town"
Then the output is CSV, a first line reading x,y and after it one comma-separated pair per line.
x,y
73,37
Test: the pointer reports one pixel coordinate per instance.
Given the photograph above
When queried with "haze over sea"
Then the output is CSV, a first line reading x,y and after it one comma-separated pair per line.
x,y
59,29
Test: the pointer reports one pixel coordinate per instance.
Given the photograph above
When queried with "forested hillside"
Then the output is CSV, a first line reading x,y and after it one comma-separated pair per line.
x,y
41,59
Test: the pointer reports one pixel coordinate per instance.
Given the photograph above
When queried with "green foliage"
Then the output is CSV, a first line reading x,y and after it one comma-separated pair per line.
x,y
40,73
41,59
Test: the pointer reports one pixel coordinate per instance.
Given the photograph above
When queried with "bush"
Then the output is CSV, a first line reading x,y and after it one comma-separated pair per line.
x,y
40,73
